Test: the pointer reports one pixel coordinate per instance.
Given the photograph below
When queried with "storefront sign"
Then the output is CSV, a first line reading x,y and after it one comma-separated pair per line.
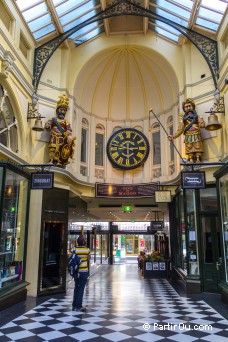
x,y
193,180
43,180
126,191
163,196
155,225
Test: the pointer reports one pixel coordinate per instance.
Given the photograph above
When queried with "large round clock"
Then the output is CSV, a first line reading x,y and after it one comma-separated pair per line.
x,y
127,149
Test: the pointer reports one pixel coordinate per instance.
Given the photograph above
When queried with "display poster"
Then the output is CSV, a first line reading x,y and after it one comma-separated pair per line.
x,y
148,266
162,266
155,266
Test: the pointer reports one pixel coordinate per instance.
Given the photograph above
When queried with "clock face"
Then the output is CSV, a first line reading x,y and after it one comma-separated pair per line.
x,y
127,148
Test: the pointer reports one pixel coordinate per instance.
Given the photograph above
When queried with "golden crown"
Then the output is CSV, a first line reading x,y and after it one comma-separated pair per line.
x,y
63,101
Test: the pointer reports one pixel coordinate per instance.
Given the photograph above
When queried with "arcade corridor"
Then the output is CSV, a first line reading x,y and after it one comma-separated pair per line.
x,y
122,306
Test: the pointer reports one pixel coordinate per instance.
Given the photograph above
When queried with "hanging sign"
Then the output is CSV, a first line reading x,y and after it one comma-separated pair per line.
x,y
42,180
155,225
163,196
126,190
193,180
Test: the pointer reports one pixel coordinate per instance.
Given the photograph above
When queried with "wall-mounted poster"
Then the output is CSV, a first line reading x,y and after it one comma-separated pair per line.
x,y
155,266
162,266
148,266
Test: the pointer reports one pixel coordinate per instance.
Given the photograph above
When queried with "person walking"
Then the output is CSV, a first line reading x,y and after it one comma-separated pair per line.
x,y
80,281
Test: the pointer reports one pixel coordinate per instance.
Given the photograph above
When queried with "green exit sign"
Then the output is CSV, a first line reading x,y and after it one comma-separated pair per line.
x,y
127,208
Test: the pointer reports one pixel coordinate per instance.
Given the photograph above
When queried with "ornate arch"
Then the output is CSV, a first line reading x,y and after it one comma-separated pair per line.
x,y
206,46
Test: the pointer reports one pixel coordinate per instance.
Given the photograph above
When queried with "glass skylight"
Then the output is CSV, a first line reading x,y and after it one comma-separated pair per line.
x,y
36,24
185,3
166,34
207,24
43,32
172,17
41,19
171,8
35,12
217,5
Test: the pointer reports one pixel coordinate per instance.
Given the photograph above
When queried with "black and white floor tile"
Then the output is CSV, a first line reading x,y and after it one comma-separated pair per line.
x,y
121,307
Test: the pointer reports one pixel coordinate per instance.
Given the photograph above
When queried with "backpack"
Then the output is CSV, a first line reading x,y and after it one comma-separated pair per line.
x,y
73,265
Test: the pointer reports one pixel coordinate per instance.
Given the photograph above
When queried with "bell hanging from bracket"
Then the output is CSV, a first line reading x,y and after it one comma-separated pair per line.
x,y
213,123
38,125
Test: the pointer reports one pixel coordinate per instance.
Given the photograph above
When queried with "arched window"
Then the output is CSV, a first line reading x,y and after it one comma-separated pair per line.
x,y
170,131
156,144
8,128
115,129
84,147
99,145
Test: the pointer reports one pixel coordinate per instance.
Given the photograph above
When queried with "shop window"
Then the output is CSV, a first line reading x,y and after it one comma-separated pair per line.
x,y
208,200
223,185
179,236
12,234
8,128
156,145
192,233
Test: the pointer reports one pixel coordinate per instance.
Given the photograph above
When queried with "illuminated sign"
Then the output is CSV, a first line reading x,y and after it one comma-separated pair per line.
x,y
42,180
127,209
126,190
193,180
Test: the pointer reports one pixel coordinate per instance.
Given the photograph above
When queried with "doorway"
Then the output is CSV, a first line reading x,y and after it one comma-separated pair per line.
x,y
211,254
126,247
52,265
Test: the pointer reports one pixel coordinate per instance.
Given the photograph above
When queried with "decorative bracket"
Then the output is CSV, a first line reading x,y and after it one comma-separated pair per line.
x,y
206,46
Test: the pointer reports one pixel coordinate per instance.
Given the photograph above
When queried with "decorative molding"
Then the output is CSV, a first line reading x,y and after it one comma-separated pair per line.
x,y
10,61
7,63
99,173
12,47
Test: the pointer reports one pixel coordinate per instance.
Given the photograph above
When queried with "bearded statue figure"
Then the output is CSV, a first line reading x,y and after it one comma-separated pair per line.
x,y
190,125
61,143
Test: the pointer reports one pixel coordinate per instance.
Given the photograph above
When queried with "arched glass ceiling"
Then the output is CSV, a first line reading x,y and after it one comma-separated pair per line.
x,y
49,18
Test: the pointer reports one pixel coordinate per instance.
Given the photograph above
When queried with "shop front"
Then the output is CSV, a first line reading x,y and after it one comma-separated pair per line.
x,y
197,240
53,242
222,264
14,191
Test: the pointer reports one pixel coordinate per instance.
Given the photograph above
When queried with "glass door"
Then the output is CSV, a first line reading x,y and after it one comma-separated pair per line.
x,y
211,254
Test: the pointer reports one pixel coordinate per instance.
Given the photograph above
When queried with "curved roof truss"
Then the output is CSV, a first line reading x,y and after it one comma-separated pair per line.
x,y
206,45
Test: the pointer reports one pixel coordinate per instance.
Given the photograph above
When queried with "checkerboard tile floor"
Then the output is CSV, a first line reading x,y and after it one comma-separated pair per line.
x,y
121,307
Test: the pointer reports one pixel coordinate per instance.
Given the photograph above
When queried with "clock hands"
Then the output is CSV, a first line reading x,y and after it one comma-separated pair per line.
x,y
121,147
127,149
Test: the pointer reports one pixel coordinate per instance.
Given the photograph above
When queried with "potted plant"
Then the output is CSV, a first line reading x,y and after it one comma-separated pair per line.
x,y
155,266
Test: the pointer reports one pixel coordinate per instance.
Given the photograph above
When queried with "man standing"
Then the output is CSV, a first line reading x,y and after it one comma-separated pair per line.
x,y
80,282
61,143
190,124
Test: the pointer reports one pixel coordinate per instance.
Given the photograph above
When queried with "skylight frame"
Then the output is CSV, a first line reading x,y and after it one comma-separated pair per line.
x,y
168,9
